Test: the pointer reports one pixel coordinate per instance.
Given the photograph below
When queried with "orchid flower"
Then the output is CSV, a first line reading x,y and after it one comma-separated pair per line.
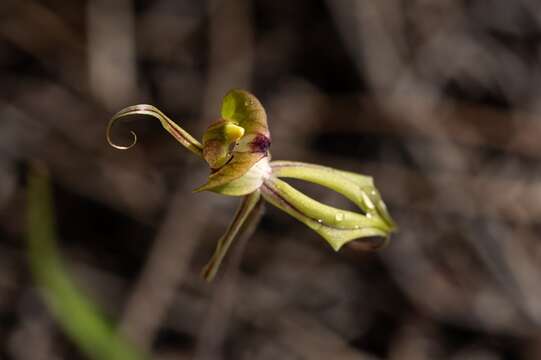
x,y
236,148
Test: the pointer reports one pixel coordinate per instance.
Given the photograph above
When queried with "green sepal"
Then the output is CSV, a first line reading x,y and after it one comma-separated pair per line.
x,y
245,209
336,226
245,110
357,188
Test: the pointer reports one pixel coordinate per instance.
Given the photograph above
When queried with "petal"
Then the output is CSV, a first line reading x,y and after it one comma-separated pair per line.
x,y
336,226
178,133
358,188
242,175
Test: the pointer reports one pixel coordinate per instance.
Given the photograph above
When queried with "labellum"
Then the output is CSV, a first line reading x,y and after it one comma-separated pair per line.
x,y
237,149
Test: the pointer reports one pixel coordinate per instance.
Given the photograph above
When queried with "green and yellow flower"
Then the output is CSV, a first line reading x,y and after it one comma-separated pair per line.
x,y
237,149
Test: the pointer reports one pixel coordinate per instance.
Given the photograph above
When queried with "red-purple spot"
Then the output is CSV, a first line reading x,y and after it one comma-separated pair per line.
x,y
260,143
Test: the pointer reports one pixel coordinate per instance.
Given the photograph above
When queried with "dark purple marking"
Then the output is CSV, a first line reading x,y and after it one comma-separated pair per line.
x,y
260,143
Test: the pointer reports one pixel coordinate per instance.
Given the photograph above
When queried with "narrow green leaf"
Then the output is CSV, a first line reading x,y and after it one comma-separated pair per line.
x,y
80,318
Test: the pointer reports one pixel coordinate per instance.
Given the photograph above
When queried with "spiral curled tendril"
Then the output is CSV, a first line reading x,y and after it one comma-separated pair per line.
x,y
112,122
143,109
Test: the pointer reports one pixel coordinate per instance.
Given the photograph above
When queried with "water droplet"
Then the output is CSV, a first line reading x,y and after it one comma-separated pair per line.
x,y
339,217
367,201
368,215
320,221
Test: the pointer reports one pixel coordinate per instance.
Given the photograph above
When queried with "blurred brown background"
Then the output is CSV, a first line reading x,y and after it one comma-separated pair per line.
x,y
438,100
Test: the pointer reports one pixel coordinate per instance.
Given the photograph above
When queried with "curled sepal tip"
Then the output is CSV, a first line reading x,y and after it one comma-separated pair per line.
x,y
108,131
176,131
